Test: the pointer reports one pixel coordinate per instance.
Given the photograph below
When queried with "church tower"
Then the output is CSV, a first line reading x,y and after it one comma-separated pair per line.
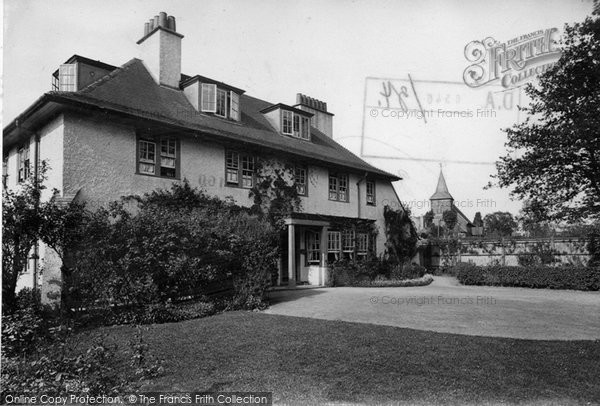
x,y
441,200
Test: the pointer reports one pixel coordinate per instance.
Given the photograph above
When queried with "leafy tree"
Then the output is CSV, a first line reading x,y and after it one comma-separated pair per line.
x,y
554,156
534,220
401,235
428,219
499,224
478,221
20,230
61,230
450,219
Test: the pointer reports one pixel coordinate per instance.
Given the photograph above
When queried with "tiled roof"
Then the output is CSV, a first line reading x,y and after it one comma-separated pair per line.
x,y
131,89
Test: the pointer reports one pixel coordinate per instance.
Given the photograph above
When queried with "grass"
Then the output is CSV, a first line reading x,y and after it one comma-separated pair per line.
x,y
306,361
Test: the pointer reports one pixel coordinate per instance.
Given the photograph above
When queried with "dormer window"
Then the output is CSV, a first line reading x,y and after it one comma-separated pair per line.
x,y
210,96
295,125
223,103
286,122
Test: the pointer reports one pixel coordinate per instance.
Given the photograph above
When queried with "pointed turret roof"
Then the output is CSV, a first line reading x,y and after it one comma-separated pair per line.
x,y
441,192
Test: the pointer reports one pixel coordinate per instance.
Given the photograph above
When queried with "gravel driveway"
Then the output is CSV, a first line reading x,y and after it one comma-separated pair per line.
x,y
447,306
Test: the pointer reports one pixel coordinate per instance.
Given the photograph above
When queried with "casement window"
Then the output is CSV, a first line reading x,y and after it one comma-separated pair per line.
x,y
305,130
239,169
4,172
151,162
221,103
348,241
371,193
362,244
232,166
313,247
24,163
295,124
67,77
286,122
168,157
300,180
247,171
334,241
334,245
208,96
234,108
338,187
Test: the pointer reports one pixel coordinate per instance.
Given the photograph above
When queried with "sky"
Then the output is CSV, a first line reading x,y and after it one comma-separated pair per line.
x,y
340,52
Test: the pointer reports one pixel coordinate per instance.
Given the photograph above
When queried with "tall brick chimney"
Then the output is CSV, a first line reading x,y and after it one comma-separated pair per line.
x,y
160,49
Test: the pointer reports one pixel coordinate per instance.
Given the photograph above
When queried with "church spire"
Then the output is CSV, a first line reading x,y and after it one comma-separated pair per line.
x,y
441,192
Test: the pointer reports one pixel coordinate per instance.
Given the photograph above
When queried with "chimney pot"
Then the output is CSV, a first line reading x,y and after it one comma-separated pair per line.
x,y
325,107
298,98
146,29
171,23
162,19
156,21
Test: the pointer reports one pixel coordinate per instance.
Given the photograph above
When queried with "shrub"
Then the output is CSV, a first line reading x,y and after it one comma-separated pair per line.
x,y
27,325
168,251
385,283
361,273
407,271
571,277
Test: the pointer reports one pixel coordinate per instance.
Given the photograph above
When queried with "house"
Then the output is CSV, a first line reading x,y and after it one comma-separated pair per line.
x,y
441,201
108,131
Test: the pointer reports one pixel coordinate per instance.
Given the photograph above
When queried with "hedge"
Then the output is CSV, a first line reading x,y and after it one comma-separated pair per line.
x,y
538,277
395,283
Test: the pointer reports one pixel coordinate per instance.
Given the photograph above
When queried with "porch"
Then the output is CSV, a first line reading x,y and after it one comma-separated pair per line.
x,y
311,241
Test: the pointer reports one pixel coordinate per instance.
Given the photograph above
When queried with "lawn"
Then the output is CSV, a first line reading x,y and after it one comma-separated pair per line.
x,y
304,360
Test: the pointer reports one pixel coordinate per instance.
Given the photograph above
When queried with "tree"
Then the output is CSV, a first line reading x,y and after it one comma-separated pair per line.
x,y
554,155
20,230
450,219
401,235
61,230
500,224
428,219
534,219
478,221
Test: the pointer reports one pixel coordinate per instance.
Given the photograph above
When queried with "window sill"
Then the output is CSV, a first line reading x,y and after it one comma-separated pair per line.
x,y
233,185
157,176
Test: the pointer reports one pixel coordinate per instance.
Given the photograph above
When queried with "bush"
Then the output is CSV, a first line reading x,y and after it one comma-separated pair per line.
x,y
389,283
169,251
363,273
407,271
27,325
571,277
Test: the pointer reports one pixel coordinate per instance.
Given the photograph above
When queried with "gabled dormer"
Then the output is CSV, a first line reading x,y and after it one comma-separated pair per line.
x,y
288,120
213,97
77,72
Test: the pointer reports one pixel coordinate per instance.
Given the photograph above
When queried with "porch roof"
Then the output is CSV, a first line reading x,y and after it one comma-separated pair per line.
x,y
315,219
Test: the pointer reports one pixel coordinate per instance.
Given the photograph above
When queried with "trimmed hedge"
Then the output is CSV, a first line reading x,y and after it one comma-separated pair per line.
x,y
538,277
395,283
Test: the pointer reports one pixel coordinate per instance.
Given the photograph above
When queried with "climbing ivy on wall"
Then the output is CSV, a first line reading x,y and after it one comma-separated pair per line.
x,y
401,235
275,194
